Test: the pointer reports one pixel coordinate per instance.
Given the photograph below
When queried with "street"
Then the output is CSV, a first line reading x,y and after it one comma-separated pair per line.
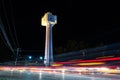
x,y
27,75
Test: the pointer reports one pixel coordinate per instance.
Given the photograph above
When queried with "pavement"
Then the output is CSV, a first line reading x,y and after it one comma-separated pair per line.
x,y
27,75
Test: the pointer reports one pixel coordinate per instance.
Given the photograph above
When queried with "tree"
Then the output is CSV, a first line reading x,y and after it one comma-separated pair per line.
x,y
72,45
60,50
83,45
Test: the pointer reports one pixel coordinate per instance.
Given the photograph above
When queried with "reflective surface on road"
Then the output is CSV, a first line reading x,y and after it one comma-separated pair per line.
x,y
27,75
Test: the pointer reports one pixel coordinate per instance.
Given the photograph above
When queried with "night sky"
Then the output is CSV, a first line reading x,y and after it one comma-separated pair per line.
x,y
83,22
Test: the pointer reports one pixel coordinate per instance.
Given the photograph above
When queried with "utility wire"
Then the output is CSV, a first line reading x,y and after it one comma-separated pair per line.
x,y
8,22
5,36
13,22
32,50
4,41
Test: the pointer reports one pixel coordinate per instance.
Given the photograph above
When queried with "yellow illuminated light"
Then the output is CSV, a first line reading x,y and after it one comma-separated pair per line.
x,y
56,64
104,57
48,18
44,20
92,63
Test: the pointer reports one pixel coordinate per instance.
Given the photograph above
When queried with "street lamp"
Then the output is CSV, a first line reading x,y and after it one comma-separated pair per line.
x,y
41,58
29,57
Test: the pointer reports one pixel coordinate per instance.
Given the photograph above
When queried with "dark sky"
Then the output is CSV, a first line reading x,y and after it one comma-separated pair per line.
x,y
27,16
82,22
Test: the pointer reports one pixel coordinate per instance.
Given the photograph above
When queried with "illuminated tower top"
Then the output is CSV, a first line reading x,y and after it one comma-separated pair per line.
x,y
48,18
49,21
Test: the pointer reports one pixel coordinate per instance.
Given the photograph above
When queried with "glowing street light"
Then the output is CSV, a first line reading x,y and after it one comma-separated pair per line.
x,y
30,57
41,58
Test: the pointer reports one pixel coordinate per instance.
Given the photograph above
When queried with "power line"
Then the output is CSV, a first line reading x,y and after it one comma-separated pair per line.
x,y
32,50
5,36
4,41
8,22
13,21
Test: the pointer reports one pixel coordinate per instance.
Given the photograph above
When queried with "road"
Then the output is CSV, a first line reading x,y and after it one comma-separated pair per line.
x,y
27,75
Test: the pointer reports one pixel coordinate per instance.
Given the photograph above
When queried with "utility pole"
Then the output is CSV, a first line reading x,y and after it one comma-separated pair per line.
x,y
18,50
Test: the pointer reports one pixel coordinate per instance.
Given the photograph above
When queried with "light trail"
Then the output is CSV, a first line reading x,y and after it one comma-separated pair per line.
x,y
63,73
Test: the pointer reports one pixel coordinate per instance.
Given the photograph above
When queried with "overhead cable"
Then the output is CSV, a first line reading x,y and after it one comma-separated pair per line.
x,y
8,23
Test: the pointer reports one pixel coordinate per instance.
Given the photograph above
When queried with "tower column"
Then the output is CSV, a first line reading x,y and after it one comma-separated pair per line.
x,y
49,21
48,59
